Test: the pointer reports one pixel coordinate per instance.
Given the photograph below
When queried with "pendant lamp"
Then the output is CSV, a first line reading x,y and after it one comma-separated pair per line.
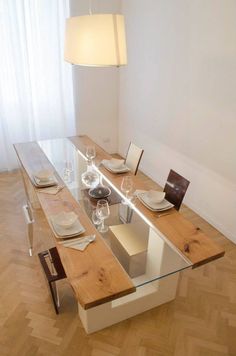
x,y
96,40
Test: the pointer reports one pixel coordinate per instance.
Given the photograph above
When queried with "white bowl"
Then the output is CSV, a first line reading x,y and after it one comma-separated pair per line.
x,y
65,220
116,163
155,196
44,174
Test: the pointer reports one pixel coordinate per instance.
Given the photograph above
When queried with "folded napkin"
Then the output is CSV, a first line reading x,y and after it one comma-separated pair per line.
x,y
51,190
79,243
81,246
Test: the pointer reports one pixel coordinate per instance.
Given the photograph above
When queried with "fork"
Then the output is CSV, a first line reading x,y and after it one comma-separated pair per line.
x,y
165,214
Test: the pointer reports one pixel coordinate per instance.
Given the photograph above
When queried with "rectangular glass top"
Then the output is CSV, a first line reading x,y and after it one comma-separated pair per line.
x,y
141,250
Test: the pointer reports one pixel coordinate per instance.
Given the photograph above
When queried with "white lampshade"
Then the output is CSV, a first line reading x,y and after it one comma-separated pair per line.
x,y
96,40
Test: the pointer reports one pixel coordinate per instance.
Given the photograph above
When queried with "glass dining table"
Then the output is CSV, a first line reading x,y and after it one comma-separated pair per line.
x,y
151,261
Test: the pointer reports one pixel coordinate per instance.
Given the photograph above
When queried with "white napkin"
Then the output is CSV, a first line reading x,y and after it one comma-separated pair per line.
x,y
81,246
50,190
79,243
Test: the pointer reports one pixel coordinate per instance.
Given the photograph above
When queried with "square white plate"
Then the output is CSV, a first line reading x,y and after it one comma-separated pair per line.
x,y
164,205
76,229
122,169
50,182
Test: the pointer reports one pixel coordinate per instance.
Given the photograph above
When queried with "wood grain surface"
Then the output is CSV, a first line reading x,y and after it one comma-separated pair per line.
x,y
200,321
187,238
95,274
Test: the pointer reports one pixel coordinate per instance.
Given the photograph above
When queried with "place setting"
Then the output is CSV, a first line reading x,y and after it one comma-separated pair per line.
x,y
115,165
46,182
44,178
154,200
66,226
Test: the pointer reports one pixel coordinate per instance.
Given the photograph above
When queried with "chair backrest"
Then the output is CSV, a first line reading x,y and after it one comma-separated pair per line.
x,y
175,188
133,157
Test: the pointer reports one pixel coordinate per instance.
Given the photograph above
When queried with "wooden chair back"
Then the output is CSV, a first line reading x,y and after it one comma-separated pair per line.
x,y
133,157
175,188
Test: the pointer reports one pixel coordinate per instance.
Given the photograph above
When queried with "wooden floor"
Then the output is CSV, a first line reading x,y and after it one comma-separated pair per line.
x,y
201,321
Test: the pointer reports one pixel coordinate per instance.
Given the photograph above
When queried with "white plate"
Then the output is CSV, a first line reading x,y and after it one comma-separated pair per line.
x,y
122,169
50,182
65,219
44,174
74,230
164,205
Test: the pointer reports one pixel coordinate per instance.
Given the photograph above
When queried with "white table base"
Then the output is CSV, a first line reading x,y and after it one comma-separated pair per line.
x,y
146,297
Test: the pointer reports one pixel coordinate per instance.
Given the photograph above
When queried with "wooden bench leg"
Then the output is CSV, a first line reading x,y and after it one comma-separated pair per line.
x,y
30,229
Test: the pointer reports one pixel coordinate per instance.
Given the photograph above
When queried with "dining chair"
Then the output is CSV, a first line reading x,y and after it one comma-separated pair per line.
x,y
133,157
54,271
175,188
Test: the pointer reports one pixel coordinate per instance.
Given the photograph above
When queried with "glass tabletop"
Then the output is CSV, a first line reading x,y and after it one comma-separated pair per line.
x,y
141,250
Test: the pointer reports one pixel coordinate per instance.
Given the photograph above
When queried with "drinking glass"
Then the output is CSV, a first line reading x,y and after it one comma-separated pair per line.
x,y
90,153
67,171
103,212
95,219
126,187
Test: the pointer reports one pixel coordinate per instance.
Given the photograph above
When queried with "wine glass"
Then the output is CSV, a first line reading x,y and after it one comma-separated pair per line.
x,y
126,187
103,212
90,153
95,219
67,171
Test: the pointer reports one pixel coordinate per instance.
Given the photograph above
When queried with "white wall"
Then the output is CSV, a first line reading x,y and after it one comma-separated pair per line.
x,y
178,98
96,89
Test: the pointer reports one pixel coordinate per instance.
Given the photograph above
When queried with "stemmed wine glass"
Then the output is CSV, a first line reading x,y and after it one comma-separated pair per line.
x,y
95,218
103,212
126,187
67,171
90,153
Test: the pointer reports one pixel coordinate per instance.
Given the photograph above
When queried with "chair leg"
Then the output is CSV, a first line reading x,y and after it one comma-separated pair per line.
x,y
53,285
54,271
55,296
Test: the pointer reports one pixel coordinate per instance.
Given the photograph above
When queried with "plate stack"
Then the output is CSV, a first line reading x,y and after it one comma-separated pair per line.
x,y
154,200
44,178
66,225
115,165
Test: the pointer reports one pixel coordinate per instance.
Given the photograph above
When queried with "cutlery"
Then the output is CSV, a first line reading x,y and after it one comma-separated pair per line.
x,y
165,214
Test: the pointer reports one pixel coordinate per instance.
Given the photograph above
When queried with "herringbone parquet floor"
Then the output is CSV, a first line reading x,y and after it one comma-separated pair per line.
x,y
200,322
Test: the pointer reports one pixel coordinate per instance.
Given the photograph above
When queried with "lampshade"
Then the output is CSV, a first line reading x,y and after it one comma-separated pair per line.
x,y
96,40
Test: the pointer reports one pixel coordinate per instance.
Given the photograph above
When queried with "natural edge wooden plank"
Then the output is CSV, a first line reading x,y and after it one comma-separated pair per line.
x,y
192,243
95,274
